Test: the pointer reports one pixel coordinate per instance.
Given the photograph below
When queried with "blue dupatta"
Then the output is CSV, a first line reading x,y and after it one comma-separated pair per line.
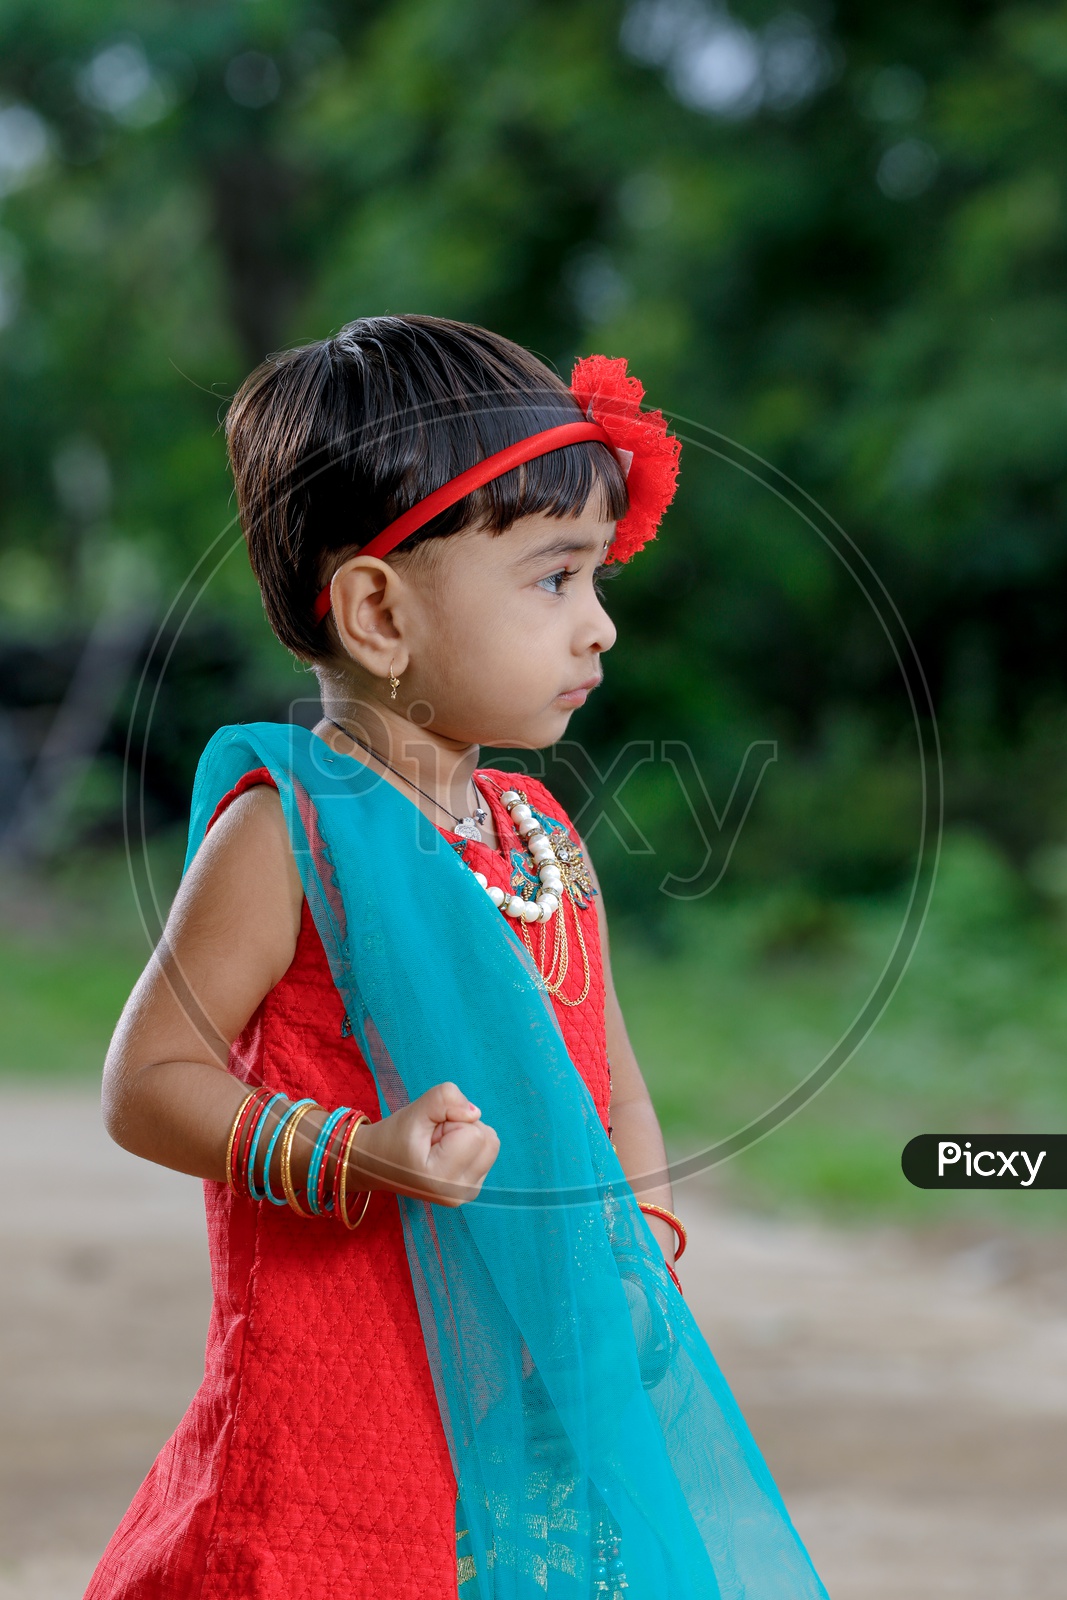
x,y
589,1426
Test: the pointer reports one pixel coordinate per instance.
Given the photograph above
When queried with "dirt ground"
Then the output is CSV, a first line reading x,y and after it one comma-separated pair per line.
x,y
910,1395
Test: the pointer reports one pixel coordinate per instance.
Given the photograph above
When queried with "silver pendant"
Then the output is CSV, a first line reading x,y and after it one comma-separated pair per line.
x,y
467,828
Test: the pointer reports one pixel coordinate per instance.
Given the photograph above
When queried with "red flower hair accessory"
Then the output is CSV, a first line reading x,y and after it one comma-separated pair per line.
x,y
611,400
611,396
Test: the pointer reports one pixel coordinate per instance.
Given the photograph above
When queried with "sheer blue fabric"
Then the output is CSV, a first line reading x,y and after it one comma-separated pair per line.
x,y
594,1439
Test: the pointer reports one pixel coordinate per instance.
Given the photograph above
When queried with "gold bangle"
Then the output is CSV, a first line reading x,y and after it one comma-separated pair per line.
x,y
241,1109
672,1221
287,1156
342,1186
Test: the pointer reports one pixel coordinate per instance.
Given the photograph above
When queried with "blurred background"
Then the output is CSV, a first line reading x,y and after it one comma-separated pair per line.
x,y
831,239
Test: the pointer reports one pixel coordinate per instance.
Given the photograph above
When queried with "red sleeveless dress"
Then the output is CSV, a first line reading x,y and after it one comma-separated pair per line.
x,y
312,1462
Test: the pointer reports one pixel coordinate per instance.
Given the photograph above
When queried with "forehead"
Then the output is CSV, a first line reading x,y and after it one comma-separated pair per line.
x,y
543,537
530,543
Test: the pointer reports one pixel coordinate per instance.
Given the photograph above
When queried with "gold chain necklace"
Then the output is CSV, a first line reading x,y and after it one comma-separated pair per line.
x,y
560,954
554,869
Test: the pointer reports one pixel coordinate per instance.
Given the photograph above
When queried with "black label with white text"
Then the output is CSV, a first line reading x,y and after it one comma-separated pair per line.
x,y
986,1161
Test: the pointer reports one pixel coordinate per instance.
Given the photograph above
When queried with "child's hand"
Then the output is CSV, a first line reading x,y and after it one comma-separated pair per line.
x,y
437,1148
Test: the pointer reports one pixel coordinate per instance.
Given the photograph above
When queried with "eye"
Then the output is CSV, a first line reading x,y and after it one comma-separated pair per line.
x,y
556,578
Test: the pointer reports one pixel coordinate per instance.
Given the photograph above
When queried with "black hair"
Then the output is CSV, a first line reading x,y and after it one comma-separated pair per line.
x,y
332,441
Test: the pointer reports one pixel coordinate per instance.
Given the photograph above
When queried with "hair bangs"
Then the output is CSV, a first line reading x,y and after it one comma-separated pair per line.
x,y
563,483
331,442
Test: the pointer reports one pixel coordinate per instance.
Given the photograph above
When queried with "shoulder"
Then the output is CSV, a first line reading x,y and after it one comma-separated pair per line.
x,y
538,796
244,868
247,821
259,778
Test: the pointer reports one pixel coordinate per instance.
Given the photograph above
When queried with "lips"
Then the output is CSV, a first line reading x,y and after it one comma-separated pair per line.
x,y
578,696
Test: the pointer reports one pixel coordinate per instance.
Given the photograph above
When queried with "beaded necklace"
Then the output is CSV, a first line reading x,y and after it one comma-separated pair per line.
x,y
556,864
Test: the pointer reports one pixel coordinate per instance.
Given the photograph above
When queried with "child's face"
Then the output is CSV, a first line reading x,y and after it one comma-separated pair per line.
x,y
503,625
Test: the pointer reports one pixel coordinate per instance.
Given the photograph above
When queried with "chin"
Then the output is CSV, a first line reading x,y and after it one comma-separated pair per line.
x,y
559,725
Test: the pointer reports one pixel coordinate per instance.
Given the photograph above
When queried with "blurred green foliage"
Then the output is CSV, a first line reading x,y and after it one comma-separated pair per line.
x,y
832,242
835,235
732,1013
747,1004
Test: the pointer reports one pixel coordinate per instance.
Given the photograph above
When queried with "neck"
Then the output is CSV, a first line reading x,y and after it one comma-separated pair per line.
x,y
432,761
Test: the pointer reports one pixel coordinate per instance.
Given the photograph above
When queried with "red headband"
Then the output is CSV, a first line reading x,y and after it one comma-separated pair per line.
x,y
611,400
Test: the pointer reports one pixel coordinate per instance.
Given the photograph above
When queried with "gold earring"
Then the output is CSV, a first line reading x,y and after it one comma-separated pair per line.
x,y
394,683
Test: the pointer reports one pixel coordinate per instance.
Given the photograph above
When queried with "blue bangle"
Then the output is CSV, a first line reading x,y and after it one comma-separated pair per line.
x,y
268,1193
318,1156
253,1146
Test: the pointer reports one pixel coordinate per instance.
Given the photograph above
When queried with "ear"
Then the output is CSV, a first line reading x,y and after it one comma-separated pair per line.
x,y
369,603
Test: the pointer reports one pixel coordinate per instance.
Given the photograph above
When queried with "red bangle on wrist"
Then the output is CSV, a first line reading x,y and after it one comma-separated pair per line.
x,y
243,1123
672,1221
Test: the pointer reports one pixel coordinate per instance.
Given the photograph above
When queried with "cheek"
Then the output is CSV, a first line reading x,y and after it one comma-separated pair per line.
x,y
474,645
477,620
494,641
524,633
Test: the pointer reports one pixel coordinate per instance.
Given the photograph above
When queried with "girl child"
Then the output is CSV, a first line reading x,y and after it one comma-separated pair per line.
x,y
448,1354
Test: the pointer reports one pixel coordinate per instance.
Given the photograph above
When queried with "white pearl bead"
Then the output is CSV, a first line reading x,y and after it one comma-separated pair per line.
x,y
539,848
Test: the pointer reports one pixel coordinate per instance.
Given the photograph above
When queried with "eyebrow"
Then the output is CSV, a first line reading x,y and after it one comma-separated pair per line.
x,y
562,547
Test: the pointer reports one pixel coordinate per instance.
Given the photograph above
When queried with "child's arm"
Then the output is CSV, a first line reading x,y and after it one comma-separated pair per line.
x,y
230,937
635,1127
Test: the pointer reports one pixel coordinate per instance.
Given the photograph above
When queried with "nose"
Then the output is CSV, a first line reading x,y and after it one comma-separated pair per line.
x,y
604,631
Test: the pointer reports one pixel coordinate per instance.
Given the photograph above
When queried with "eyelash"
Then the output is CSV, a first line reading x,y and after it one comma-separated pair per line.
x,y
599,574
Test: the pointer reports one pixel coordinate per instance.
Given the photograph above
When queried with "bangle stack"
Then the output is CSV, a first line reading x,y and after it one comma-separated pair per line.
x,y
340,1203
679,1233
326,1189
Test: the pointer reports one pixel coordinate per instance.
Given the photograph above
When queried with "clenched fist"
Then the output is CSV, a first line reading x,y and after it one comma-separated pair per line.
x,y
437,1148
